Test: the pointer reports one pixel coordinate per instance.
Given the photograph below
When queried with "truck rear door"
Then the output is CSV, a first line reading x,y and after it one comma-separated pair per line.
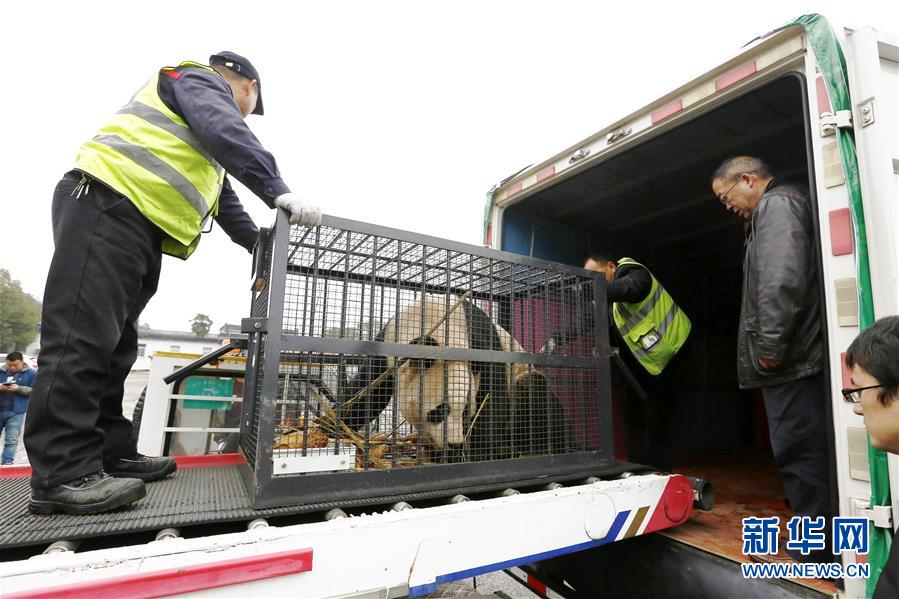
x,y
872,60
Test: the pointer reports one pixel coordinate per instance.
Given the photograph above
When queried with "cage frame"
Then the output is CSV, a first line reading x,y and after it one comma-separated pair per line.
x,y
366,487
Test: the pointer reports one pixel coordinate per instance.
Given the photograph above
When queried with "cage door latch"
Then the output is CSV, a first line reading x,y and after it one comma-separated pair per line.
x,y
254,325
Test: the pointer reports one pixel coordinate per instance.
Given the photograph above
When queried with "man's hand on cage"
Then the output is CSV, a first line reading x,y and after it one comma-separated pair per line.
x,y
301,213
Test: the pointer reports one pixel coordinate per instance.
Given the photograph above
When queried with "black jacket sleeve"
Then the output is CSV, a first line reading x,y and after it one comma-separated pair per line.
x,y
782,264
631,285
234,220
204,100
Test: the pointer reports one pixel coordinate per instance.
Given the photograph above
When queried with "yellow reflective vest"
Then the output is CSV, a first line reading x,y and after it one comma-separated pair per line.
x,y
654,329
148,154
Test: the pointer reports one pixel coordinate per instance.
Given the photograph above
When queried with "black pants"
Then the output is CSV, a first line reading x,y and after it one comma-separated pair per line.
x,y
105,268
797,426
648,422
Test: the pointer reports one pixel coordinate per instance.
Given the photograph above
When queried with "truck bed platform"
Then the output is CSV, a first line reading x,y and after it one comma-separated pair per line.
x,y
204,490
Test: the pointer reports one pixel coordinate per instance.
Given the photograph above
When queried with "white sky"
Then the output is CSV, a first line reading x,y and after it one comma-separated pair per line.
x,y
398,113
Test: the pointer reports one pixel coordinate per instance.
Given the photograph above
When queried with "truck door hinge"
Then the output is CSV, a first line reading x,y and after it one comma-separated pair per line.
x,y
880,516
579,155
831,122
616,135
866,112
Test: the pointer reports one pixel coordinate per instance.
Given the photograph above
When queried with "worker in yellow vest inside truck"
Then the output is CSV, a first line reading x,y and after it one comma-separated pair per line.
x,y
144,185
654,329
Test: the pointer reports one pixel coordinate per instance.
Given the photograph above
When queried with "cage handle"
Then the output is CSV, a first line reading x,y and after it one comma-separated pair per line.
x,y
186,371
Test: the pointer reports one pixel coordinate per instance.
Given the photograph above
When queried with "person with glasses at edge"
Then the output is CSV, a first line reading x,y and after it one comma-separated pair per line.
x,y
780,345
874,360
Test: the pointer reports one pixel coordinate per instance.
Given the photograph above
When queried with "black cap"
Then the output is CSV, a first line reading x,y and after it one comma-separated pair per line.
x,y
241,66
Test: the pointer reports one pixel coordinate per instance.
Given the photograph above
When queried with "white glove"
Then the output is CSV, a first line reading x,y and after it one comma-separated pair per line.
x,y
548,347
301,213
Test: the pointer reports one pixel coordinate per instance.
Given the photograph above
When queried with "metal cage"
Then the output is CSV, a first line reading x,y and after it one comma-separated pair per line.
x,y
386,365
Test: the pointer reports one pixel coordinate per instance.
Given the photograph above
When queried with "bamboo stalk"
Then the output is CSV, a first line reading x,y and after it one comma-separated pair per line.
x,y
352,435
473,420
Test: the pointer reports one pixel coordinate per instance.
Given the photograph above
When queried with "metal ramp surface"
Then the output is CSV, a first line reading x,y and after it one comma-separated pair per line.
x,y
192,496
204,490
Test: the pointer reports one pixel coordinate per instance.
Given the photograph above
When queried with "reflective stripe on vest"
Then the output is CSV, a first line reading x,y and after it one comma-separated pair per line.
x,y
148,154
653,329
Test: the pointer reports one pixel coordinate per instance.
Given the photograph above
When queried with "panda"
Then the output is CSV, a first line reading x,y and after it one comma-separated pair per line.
x,y
508,408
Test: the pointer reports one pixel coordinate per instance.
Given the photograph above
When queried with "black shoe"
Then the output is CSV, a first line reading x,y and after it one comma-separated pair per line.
x,y
140,466
89,494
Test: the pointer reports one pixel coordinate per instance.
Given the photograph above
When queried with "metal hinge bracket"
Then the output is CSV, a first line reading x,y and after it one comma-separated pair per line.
x,y
254,325
866,112
880,516
579,155
616,135
831,122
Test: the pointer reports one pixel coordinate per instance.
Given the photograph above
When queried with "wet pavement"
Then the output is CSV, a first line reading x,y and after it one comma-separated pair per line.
x,y
135,382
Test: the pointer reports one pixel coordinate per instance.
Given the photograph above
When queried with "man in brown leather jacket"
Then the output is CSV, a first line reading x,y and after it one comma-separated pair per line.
x,y
780,345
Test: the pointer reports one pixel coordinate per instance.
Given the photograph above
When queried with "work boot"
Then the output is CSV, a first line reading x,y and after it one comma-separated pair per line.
x,y
140,466
91,494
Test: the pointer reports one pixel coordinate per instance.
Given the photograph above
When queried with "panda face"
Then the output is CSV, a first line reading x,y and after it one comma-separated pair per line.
x,y
436,396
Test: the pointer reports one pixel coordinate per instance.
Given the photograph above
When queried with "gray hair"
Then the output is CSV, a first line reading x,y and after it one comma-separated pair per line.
x,y
735,166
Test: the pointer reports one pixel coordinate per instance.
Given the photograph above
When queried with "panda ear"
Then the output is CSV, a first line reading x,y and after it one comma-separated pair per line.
x,y
481,328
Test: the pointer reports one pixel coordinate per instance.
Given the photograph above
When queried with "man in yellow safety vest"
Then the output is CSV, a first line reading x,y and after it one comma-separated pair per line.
x,y
144,185
654,329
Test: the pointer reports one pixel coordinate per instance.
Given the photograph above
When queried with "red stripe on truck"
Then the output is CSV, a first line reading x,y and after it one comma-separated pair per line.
x,y
546,173
674,507
182,580
846,371
15,472
209,461
664,112
184,462
823,98
536,585
737,74
513,189
840,232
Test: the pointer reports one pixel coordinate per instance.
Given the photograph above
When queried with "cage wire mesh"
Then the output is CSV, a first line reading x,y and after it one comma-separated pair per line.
x,y
404,354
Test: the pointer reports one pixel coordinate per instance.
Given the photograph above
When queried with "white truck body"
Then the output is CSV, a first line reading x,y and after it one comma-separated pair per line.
x,y
543,192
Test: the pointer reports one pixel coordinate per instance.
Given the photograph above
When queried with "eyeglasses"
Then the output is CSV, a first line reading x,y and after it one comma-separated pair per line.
x,y
854,394
723,197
